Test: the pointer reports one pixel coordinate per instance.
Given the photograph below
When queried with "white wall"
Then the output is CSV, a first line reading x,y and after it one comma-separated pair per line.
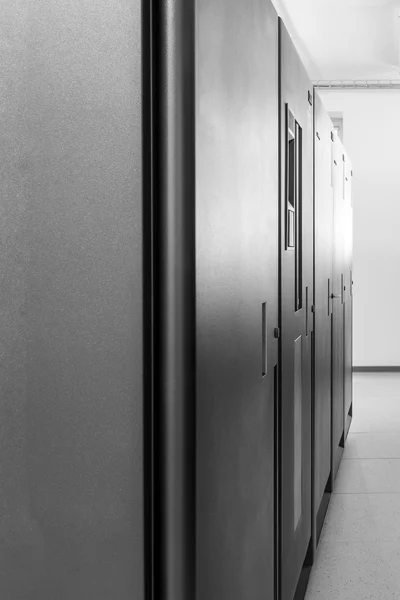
x,y
372,140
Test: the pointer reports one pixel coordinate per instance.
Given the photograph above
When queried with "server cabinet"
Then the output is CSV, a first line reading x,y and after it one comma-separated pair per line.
x,y
72,327
174,297
236,296
323,286
296,300
338,304
348,297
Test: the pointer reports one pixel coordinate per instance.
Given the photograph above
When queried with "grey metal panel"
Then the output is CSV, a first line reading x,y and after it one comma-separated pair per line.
x,y
18,531
236,272
338,308
348,318
295,92
297,430
323,248
71,496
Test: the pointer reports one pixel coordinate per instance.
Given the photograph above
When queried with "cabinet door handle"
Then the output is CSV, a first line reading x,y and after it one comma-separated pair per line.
x,y
329,297
307,310
264,339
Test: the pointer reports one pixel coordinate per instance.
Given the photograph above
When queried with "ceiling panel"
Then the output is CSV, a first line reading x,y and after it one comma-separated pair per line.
x,y
345,39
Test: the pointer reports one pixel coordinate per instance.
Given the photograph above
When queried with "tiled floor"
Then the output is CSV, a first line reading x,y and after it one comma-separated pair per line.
x,y
358,556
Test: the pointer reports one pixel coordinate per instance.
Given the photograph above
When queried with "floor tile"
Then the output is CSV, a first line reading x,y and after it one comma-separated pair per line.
x,y
358,557
375,414
356,571
377,385
362,518
366,476
376,402
372,445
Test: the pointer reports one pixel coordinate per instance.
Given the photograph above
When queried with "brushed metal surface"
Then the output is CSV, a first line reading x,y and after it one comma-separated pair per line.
x,y
236,272
295,88
71,375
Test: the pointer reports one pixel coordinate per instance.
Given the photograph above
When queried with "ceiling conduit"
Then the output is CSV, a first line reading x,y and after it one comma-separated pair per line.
x,y
358,84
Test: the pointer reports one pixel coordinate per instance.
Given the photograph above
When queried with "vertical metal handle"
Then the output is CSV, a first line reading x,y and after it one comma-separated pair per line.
x,y
329,297
306,310
264,339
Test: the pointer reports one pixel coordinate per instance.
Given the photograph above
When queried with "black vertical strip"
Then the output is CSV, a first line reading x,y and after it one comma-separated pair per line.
x,y
333,474
281,200
313,457
147,297
174,298
287,163
344,337
282,208
277,484
299,216
300,199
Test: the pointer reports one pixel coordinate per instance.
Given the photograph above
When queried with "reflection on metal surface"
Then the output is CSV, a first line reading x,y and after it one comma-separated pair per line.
x,y
297,431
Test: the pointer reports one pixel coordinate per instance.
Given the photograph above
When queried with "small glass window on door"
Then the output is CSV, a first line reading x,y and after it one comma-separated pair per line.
x,y
294,147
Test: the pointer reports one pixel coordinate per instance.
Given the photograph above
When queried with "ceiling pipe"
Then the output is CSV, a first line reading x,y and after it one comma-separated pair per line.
x,y
393,84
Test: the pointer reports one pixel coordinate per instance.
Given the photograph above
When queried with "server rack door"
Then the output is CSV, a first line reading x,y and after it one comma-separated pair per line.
x,y
71,324
338,306
296,293
323,239
236,296
348,295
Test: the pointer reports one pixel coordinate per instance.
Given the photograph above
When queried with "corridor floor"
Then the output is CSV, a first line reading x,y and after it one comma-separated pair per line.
x,y
358,557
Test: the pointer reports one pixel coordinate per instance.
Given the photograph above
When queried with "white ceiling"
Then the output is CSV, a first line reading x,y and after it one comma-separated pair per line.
x,y
345,39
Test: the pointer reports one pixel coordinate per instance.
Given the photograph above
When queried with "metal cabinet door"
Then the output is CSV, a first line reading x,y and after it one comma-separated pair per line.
x,y
338,306
236,296
72,408
296,293
348,295
323,248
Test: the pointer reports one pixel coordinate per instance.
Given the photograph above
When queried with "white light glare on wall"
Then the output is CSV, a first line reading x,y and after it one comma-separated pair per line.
x,y
398,41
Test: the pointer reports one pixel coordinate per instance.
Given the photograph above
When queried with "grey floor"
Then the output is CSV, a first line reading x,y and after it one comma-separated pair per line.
x,y
358,556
